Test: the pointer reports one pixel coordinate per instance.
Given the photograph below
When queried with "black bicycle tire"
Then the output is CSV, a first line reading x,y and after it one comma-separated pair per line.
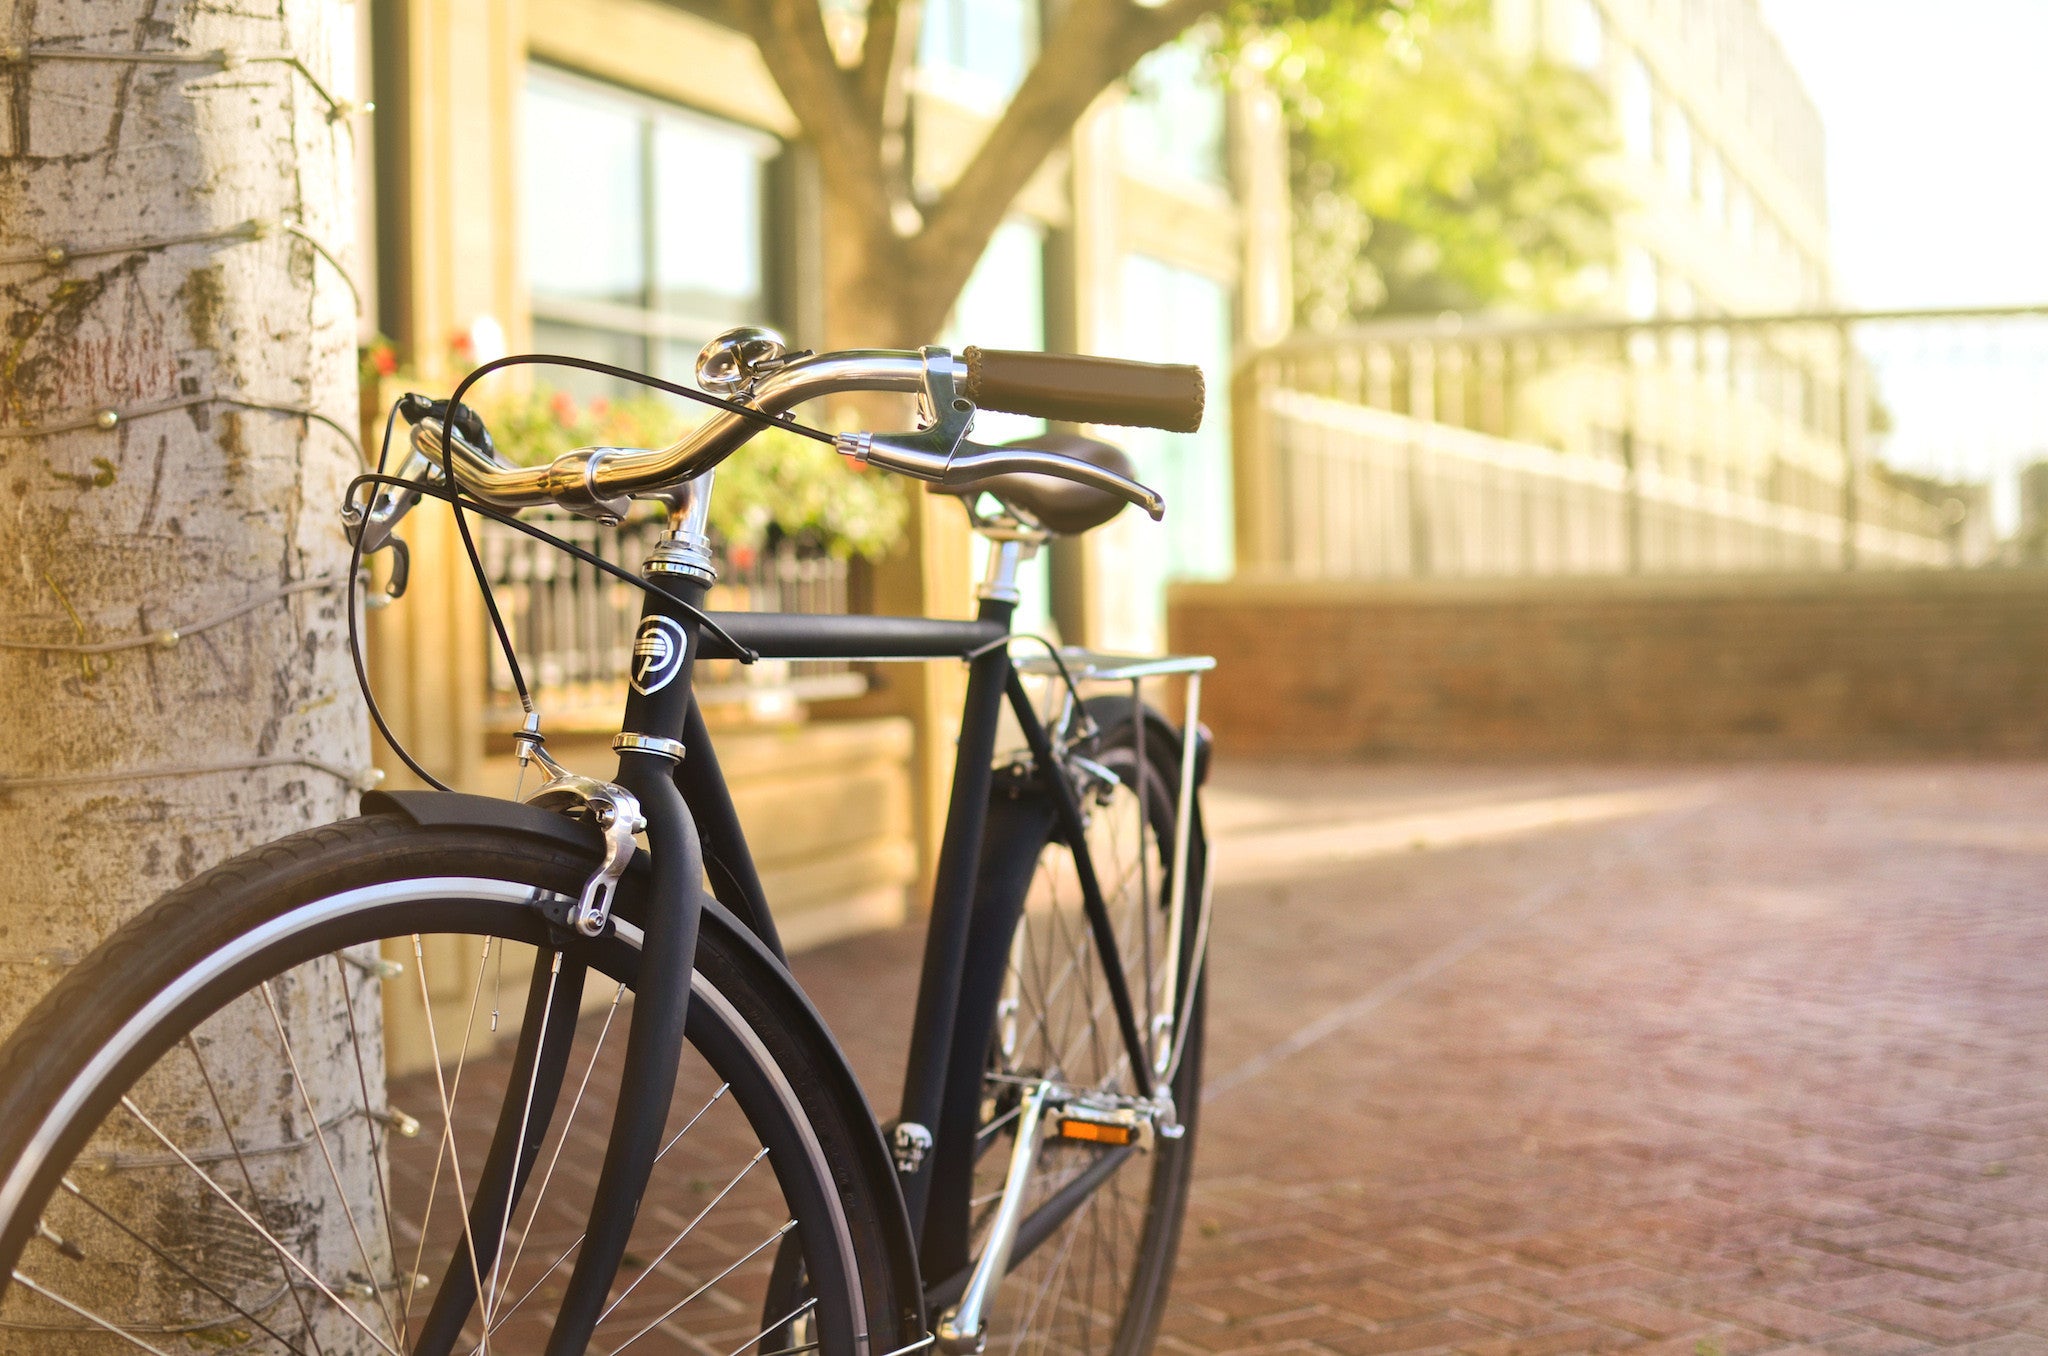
x,y
177,934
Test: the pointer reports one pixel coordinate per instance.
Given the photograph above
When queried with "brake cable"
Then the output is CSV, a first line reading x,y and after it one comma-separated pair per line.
x,y
453,494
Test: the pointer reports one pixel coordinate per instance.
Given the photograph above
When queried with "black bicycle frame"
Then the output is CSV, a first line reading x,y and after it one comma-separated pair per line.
x,y
694,834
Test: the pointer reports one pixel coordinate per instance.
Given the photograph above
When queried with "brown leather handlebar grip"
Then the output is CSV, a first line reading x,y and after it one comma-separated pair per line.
x,y
1085,390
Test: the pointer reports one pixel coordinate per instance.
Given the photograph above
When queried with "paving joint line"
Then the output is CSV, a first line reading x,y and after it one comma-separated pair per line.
x,y
1442,959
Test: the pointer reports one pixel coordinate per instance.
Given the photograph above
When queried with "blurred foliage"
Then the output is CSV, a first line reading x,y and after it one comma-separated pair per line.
x,y
1432,171
780,486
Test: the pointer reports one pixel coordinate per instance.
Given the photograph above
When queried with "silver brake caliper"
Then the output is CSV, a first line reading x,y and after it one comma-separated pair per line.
x,y
615,811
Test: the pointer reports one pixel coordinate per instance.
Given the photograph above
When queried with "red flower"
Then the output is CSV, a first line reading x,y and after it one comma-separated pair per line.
x,y
564,406
384,360
742,557
600,407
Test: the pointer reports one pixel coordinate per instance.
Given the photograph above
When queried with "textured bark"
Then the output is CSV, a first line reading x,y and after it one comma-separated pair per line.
x,y
173,517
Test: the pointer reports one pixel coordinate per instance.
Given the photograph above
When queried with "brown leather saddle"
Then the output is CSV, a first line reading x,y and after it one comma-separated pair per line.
x,y
1058,506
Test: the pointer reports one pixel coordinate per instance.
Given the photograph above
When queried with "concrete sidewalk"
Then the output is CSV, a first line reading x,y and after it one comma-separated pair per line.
x,y
1550,1060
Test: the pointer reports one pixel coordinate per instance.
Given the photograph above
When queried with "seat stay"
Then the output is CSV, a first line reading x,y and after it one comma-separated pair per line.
x,y
1073,831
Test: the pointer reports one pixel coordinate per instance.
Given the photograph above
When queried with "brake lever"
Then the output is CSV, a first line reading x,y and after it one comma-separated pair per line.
x,y
371,523
401,569
977,463
927,453
935,454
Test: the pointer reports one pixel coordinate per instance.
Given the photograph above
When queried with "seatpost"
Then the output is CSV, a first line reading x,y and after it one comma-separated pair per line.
x,y
999,580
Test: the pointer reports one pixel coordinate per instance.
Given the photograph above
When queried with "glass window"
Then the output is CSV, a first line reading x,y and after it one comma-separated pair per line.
x,y
1639,283
1713,186
708,243
1585,37
980,49
1003,306
1172,314
1636,106
1173,120
644,229
1678,149
586,219
1741,215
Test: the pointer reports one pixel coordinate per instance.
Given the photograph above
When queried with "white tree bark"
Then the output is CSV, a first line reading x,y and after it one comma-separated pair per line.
x,y
131,280
168,518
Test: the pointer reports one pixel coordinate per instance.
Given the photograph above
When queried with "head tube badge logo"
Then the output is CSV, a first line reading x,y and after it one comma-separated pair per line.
x,y
657,655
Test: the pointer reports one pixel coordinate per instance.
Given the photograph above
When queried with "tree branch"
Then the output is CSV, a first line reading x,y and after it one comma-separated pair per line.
x,y
885,53
883,88
790,35
1095,43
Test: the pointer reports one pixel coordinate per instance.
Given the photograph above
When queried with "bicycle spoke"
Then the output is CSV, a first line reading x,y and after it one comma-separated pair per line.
x,y
792,1316
249,1183
568,1124
172,1262
129,1104
88,1315
441,1087
692,1296
355,1041
1073,1291
490,1300
333,1173
218,1159
1056,1271
662,1256
674,1140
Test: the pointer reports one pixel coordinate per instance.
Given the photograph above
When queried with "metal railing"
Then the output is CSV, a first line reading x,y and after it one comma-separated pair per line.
x,y
573,625
1832,440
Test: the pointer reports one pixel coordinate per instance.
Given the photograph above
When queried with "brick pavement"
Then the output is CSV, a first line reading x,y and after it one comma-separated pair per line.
x,y
1513,1063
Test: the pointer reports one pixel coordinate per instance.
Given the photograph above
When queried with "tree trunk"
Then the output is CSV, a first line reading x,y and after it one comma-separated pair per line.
x,y
157,221
874,299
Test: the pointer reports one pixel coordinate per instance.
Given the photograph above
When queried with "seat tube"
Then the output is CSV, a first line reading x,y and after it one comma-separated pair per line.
x,y
953,891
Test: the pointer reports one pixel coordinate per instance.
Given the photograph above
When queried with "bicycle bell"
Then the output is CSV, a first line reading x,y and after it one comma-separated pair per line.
x,y
735,359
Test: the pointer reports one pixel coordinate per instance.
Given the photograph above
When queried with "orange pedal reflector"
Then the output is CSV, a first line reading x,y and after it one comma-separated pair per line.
x,y
1097,1132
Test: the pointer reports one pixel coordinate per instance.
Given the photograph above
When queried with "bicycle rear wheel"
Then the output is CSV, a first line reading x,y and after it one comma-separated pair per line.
x,y
269,1112
1096,1279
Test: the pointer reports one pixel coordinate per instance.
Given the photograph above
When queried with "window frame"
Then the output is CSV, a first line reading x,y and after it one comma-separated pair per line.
x,y
646,324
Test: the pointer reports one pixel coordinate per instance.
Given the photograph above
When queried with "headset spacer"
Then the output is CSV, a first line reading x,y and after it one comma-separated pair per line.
x,y
642,743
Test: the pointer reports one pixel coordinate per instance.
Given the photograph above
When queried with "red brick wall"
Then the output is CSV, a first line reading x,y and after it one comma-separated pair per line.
x,y
1805,665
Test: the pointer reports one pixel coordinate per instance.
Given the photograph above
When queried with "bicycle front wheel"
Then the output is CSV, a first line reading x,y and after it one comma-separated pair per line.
x,y
348,1093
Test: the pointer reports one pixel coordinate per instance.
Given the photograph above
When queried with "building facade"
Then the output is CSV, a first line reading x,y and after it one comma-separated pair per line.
x,y
1722,153
1716,412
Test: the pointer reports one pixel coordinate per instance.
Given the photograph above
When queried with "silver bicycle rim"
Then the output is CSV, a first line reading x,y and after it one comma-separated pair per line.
x,y
267,1308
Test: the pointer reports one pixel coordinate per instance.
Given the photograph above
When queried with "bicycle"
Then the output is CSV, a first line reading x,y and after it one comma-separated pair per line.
x,y
205,1120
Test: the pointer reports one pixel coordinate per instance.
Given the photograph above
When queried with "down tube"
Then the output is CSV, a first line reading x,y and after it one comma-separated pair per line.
x,y
728,861
945,948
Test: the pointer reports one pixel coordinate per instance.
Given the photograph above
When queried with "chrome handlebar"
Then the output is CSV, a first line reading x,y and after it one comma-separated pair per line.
x,y
597,482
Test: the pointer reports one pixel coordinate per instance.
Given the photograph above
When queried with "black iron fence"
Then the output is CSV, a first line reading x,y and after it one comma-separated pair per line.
x,y
573,625
1700,444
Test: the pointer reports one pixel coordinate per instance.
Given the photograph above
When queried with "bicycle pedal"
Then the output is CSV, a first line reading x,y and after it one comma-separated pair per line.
x,y
1113,1128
